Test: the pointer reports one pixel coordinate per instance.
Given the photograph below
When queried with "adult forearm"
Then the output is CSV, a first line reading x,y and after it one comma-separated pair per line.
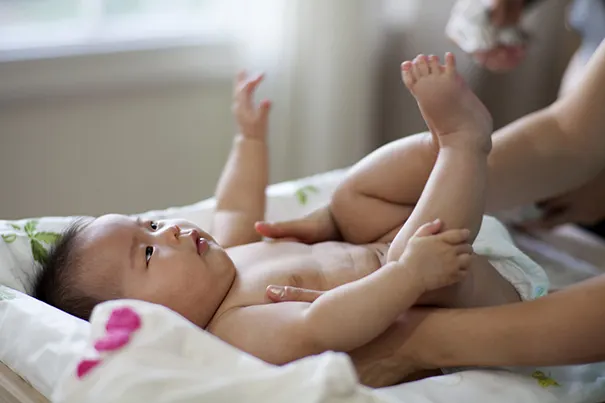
x,y
532,159
553,150
561,329
352,315
241,187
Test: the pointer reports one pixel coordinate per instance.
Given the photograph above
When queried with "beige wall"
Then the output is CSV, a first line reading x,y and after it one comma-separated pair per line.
x,y
119,150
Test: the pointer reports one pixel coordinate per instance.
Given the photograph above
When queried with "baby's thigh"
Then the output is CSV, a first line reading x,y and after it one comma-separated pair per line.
x,y
379,193
363,219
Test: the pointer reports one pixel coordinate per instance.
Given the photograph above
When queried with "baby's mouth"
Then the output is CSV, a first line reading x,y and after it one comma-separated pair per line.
x,y
202,246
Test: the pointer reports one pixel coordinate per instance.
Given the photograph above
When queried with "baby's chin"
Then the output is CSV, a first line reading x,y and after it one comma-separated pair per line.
x,y
218,259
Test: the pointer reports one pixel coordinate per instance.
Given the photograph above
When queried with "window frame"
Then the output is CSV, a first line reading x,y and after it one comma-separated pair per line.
x,y
66,69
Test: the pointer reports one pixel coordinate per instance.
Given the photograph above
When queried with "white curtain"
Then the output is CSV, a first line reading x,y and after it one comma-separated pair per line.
x,y
320,60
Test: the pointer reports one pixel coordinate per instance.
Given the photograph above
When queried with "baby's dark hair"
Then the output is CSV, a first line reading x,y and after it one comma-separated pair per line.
x,y
56,282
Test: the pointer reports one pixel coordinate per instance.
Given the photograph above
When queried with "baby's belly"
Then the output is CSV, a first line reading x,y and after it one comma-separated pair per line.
x,y
320,267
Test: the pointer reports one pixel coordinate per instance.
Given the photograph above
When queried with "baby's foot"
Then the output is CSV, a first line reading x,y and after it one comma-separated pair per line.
x,y
452,112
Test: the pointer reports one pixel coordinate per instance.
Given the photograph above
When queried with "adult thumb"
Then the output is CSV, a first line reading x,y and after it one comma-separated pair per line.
x,y
287,293
301,230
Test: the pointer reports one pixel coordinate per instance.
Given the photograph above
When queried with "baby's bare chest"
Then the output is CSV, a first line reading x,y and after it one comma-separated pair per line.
x,y
321,267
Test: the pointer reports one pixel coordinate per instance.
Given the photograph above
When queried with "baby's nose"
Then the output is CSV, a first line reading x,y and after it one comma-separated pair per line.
x,y
173,231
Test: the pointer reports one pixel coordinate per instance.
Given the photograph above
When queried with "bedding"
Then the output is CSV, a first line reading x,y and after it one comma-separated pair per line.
x,y
167,359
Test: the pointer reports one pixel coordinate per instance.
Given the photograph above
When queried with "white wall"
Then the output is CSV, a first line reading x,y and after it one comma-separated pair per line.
x,y
118,150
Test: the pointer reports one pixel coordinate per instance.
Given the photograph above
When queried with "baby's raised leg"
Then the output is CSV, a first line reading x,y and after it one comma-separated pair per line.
x,y
455,190
381,191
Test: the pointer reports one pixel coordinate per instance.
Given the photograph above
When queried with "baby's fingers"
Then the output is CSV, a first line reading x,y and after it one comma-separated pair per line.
x,y
464,260
250,85
427,229
240,80
464,248
263,110
245,93
455,236
240,76
245,85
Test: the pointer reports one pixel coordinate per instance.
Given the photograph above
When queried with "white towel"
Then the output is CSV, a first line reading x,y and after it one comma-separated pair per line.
x,y
470,27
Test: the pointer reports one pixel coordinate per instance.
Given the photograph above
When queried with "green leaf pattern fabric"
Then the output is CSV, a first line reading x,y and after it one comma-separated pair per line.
x,y
49,238
9,238
302,194
544,380
6,294
37,240
30,227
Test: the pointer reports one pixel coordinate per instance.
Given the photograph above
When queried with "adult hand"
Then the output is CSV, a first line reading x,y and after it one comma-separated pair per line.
x,y
506,12
503,58
319,226
585,206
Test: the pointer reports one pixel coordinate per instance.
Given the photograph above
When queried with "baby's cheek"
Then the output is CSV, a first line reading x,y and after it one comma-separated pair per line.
x,y
171,294
185,279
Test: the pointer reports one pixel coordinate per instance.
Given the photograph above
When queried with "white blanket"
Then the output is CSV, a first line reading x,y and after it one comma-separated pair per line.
x,y
170,360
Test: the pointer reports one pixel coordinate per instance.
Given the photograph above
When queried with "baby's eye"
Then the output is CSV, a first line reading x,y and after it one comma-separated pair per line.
x,y
148,253
153,225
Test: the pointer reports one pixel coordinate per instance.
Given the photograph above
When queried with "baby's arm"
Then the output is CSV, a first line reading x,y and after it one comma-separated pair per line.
x,y
351,315
240,193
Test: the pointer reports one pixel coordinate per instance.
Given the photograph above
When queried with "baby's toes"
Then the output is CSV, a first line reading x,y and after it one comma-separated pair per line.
x,y
434,66
450,64
422,65
407,74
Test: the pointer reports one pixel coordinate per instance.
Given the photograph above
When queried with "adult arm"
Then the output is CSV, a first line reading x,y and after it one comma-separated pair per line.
x,y
553,150
563,328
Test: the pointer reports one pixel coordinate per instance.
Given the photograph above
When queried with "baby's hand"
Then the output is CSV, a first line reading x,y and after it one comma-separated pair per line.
x,y
251,121
437,259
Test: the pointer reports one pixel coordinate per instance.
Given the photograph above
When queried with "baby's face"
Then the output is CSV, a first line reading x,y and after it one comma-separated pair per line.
x,y
171,262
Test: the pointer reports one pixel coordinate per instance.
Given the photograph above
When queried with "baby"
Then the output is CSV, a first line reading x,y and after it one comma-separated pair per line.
x,y
389,259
